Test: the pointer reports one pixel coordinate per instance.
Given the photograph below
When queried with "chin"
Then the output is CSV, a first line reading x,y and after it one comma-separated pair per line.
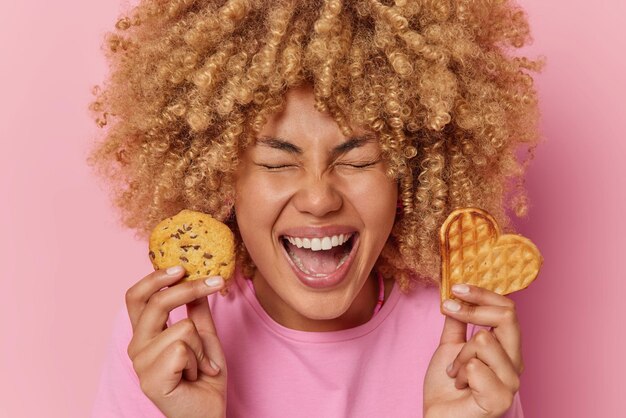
x,y
323,305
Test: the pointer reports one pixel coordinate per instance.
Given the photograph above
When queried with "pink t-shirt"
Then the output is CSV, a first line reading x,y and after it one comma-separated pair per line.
x,y
373,370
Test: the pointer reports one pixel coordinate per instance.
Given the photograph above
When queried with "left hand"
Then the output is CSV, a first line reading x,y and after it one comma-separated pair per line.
x,y
485,370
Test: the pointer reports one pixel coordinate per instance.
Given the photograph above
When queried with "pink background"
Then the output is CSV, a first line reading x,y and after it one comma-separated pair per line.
x,y
66,263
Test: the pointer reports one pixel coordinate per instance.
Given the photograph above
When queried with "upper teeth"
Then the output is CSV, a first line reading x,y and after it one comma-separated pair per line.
x,y
322,243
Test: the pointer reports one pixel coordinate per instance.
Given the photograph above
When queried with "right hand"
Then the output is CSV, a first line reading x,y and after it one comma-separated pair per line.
x,y
181,368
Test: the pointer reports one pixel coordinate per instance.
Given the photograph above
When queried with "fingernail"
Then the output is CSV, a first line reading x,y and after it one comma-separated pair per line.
x,y
449,369
461,289
451,305
214,281
214,366
173,271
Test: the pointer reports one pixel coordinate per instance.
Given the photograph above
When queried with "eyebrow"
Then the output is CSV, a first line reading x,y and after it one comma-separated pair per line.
x,y
284,145
279,144
352,143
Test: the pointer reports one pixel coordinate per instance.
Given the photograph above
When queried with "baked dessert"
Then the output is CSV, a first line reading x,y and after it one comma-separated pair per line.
x,y
201,244
473,251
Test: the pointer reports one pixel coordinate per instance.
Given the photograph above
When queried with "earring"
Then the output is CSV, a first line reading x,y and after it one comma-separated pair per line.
x,y
399,208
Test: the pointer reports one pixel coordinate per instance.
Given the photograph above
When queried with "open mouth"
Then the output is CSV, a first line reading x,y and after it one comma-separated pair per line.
x,y
319,257
320,262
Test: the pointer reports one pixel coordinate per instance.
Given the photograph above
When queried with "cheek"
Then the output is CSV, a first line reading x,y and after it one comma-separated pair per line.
x,y
258,203
376,200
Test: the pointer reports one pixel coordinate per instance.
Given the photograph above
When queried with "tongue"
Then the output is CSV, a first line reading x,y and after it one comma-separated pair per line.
x,y
316,262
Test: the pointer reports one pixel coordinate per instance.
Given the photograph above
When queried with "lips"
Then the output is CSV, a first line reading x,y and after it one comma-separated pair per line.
x,y
320,261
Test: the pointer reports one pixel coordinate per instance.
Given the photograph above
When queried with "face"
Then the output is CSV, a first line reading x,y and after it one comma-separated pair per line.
x,y
314,209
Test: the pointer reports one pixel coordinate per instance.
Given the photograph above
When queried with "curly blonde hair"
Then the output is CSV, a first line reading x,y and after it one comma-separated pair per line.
x,y
193,81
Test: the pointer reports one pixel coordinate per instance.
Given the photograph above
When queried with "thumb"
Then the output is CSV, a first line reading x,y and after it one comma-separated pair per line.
x,y
454,331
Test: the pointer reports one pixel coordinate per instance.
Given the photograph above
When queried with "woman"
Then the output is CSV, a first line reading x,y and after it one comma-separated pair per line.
x,y
333,139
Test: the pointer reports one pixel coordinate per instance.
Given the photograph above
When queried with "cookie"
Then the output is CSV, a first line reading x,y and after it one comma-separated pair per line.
x,y
201,244
473,251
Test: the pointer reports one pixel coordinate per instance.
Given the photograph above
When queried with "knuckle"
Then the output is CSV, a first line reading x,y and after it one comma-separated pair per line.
x,y
140,362
483,337
509,315
138,366
515,385
131,350
470,311
130,296
511,303
146,387
199,289
158,299
196,290
187,326
179,348
472,365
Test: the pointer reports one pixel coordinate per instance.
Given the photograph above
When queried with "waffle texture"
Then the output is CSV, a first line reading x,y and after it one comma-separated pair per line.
x,y
473,251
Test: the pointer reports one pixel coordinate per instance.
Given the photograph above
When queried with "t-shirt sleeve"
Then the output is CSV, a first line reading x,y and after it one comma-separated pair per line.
x,y
119,394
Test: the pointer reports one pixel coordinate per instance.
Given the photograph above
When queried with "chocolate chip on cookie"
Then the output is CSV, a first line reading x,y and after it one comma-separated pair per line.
x,y
203,245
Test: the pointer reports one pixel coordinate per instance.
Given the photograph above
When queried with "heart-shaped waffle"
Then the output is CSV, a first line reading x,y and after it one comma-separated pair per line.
x,y
474,252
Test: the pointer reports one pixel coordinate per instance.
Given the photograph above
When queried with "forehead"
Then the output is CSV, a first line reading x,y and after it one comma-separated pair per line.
x,y
298,114
300,122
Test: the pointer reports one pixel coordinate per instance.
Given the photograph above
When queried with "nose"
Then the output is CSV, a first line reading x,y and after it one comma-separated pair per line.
x,y
318,196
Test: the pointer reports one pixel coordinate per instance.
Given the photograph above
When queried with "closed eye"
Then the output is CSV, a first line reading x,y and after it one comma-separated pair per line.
x,y
275,167
360,164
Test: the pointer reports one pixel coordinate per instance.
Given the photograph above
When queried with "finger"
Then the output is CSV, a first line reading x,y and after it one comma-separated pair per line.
x,y
198,310
155,314
481,296
185,331
454,331
484,346
503,321
490,394
200,313
190,371
166,372
138,295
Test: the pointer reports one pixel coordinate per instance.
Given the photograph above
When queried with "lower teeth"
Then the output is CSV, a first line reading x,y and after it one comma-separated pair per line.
x,y
298,262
